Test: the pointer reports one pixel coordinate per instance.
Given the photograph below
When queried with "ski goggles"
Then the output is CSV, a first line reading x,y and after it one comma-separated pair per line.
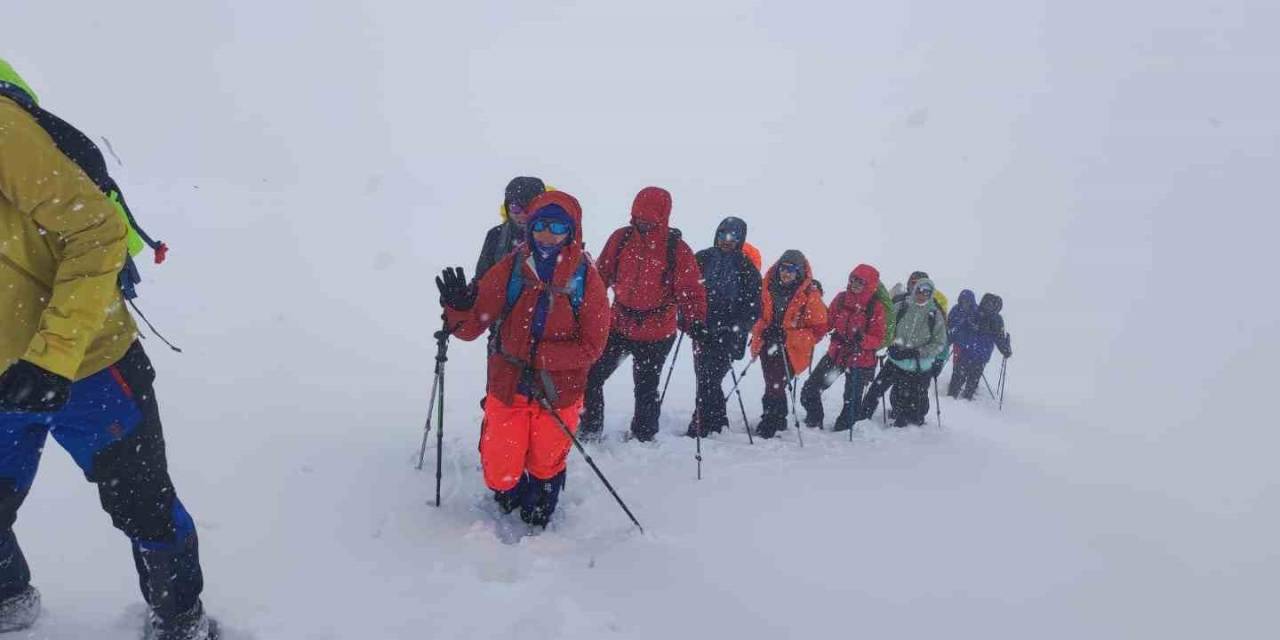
x,y
793,269
855,281
727,236
924,291
554,226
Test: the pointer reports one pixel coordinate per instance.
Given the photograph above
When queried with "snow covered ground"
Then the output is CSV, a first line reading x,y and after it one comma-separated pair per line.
x,y
1108,168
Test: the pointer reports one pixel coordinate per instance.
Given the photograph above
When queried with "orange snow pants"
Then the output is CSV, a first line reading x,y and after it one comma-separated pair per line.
x,y
523,437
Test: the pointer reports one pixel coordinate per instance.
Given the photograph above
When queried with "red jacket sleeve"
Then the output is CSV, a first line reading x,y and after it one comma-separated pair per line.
x,y
593,332
490,300
691,294
835,312
607,262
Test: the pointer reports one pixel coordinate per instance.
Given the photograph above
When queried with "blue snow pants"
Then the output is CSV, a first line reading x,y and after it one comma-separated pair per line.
x,y
111,427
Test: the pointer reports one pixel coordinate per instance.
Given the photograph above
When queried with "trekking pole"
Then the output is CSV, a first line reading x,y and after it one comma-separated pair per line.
x,y
792,384
697,436
988,383
937,403
546,406
1004,377
741,405
441,357
437,404
663,399
741,376
859,411
884,406
431,408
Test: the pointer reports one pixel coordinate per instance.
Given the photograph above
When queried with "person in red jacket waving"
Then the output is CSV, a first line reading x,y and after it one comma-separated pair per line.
x,y
551,313
857,324
655,280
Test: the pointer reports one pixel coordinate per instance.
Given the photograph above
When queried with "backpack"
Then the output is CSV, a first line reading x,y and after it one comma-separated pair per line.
x,y
885,300
673,243
81,150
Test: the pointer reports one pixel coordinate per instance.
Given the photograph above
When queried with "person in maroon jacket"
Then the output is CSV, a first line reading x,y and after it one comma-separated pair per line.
x,y
657,289
857,325
551,313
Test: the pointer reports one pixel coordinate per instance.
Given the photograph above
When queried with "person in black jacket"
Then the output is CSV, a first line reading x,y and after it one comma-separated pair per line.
x,y
505,237
733,306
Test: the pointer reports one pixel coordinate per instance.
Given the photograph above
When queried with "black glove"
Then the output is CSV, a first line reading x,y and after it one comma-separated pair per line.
x,y
455,293
26,388
699,333
899,352
774,335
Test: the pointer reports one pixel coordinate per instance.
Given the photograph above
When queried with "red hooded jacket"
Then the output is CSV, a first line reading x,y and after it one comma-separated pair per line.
x,y
570,343
644,307
847,319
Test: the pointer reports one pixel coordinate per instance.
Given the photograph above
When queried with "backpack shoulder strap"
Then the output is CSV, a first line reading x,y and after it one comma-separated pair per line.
x,y
673,245
515,285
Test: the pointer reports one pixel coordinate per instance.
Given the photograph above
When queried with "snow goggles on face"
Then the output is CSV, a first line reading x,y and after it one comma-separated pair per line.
x,y
924,291
554,226
787,267
728,235
856,281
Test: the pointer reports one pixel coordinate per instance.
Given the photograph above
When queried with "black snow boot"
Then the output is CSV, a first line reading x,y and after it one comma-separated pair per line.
x,y
189,625
510,499
20,610
541,499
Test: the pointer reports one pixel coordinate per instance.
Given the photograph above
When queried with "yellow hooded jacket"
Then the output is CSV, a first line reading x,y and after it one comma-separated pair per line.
x,y
62,245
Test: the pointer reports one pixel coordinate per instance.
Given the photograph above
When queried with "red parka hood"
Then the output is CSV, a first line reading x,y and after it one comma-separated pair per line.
x,y
652,205
869,275
566,202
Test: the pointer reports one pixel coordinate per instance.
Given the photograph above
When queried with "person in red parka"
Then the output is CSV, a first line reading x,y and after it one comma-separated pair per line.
x,y
655,280
551,313
857,323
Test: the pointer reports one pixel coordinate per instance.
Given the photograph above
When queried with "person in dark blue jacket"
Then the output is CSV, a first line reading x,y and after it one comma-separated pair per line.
x,y
733,306
976,334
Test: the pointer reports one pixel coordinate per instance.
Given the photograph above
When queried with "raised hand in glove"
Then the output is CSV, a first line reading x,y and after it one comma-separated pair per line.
x,y
26,388
455,293
899,352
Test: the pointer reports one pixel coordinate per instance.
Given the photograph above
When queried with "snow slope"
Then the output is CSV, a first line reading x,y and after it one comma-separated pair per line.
x,y
1108,168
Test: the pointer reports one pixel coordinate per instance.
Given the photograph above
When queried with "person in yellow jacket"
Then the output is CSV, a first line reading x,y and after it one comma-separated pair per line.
x,y
72,365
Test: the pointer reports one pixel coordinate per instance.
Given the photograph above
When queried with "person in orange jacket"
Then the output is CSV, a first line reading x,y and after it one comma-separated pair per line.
x,y
793,319
549,305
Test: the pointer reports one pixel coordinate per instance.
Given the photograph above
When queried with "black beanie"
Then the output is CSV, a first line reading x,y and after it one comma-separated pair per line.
x,y
523,190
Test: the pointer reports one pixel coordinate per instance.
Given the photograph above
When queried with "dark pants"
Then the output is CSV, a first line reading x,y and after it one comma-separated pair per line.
x,y
824,375
646,370
965,376
711,364
777,383
908,391
111,427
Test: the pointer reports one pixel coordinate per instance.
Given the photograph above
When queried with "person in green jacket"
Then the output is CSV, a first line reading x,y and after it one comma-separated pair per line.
x,y
71,366
920,335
